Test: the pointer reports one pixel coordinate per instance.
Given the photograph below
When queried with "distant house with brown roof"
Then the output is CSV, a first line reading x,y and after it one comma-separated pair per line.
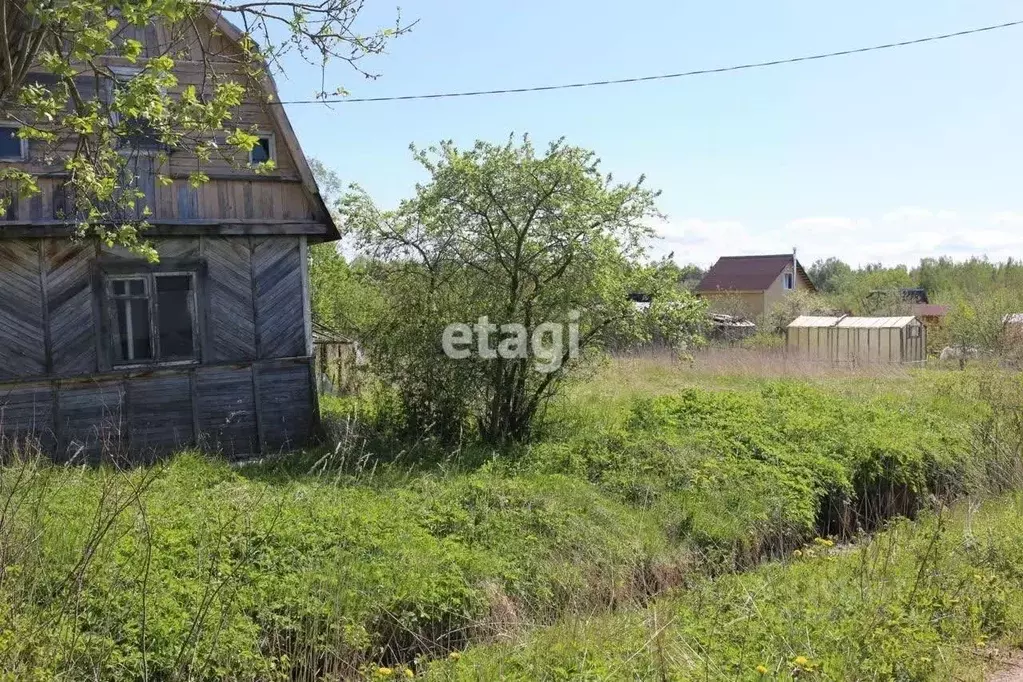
x,y
753,283
932,315
917,303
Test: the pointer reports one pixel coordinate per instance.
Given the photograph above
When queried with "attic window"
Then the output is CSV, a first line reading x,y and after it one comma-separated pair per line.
x,y
789,281
133,131
12,147
264,151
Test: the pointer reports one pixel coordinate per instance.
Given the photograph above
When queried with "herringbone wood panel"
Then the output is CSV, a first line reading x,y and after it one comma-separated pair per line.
x,y
22,336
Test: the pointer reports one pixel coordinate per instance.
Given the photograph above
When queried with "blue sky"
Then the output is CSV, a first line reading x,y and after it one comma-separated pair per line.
x,y
888,156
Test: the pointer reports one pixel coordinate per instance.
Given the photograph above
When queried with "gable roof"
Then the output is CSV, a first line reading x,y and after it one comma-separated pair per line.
x,y
846,322
283,124
929,310
749,273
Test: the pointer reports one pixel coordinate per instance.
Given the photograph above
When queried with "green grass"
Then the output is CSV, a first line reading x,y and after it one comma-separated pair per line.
x,y
230,578
334,562
942,599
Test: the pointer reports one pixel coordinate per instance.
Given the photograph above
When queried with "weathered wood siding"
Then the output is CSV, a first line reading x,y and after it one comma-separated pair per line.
x,y
160,411
26,412
283,388
70,300
229,280
253,199
90,418
280,315
251,391
227,410
22,318
204,59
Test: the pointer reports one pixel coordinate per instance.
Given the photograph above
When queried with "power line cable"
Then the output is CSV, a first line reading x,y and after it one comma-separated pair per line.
x,y
666,76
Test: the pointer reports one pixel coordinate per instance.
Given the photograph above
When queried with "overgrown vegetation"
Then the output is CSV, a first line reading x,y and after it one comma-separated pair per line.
x,y
490,285
370,556
938,600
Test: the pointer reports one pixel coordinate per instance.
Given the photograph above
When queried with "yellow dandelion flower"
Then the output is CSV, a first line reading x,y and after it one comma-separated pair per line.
x,y
409,674
384,672
762,669
454,655
801,661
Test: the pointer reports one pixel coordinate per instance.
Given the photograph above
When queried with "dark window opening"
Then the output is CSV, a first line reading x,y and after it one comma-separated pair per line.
x,y
153,318
262,152
11,146
174,301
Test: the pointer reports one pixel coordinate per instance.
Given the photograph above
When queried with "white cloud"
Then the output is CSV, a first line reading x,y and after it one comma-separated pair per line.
x,y
905,215
816,224
903,235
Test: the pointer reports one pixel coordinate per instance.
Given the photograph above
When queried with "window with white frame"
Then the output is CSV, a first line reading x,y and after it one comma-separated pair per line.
x,y
789,281
264,151
152,318
12,147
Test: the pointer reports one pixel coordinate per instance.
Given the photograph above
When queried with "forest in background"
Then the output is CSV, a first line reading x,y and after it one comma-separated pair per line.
x,y
978,293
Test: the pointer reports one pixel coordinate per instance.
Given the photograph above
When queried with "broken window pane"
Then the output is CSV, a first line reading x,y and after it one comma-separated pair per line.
x,y
261,152
174,295
10,143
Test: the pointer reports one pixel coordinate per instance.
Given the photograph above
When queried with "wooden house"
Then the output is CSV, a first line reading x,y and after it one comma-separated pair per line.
x,y
750,286
210,346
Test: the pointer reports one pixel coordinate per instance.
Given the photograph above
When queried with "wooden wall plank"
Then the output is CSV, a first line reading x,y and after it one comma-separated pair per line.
x,y
176,248
92,419
161,412
22,317
227,410
188,201
230,320
248,201
26,413
166,201
285,406
35,210
264,200
70,307
227,208
277,279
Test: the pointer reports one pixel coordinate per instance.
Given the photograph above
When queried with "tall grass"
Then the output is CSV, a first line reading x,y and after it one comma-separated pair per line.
x,y
940,599
373,553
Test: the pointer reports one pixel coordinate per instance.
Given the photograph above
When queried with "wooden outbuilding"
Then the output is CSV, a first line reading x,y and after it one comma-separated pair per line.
x,y
337,358
857,340
102,351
